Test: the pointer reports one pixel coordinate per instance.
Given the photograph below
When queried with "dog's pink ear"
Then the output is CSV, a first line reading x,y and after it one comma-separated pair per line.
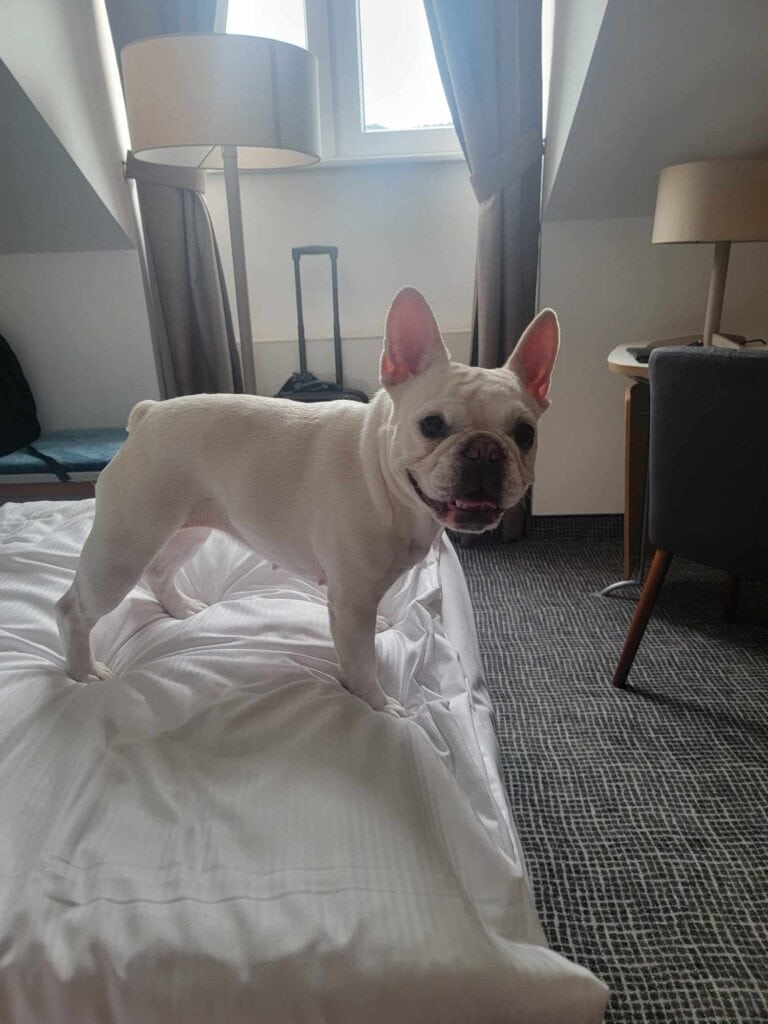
x,y
412,342
534,357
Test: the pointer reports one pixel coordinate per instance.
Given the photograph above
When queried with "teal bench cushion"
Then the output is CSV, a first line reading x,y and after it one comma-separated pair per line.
x,y
77,451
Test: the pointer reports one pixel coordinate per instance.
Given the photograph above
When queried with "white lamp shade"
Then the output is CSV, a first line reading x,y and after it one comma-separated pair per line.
x,y
713,201
189,95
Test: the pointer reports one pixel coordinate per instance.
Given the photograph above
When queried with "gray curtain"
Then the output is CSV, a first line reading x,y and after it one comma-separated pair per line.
x,y
194,332
489,56
198,351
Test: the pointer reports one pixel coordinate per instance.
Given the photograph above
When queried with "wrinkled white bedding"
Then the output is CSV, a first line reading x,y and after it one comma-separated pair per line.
x,y
221,833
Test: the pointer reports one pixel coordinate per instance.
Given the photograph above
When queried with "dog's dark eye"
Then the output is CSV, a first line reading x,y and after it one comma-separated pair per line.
x,y
433,426
524,434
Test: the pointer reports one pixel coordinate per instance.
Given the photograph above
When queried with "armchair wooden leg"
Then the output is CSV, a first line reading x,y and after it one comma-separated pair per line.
x,y
650,592
731,597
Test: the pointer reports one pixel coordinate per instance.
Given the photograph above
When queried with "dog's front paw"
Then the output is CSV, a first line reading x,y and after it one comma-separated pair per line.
x,y
183,607
394,708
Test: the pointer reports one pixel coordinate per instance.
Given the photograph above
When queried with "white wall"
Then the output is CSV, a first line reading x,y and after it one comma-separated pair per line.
x,y
78,325
610,286
395,224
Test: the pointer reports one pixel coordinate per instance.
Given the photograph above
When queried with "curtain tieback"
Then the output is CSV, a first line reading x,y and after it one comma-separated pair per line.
x,y
163,174
507,166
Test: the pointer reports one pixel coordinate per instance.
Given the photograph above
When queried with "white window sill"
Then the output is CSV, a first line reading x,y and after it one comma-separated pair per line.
x,y
457,334
360,161
404,158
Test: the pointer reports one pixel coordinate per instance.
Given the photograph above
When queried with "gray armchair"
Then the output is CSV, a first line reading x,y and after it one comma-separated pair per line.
x,y
708,471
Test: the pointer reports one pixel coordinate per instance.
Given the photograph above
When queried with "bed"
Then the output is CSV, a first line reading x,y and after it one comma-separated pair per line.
x,y
222,833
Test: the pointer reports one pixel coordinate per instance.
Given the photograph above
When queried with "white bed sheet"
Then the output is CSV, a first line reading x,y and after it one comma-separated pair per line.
x,y
222,834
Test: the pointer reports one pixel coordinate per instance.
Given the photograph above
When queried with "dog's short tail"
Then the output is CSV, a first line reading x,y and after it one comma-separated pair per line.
x,y
138,412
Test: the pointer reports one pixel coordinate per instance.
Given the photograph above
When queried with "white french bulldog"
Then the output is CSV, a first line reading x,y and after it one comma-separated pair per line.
x,y
341,492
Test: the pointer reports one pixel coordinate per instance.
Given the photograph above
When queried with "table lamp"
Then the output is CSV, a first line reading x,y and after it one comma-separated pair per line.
x,y
720,201
217,101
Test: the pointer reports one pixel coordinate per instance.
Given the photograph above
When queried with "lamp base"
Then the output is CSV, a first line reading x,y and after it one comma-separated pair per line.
x,y
716,292
235,214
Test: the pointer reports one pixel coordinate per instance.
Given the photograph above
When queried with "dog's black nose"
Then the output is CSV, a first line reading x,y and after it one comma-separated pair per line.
x,y
482,469
484,449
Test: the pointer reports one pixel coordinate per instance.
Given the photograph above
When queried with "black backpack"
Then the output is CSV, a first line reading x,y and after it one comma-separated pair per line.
x,y
19,426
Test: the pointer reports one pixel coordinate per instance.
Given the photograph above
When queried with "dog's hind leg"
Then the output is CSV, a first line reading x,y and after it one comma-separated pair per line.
x,y
113,558
160,573
75,632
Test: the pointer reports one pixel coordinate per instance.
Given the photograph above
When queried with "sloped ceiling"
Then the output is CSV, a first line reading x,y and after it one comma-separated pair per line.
x,y
575,25
46,203
669,81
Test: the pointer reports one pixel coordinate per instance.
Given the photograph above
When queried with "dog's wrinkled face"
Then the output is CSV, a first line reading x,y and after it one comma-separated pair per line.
x,y
464,439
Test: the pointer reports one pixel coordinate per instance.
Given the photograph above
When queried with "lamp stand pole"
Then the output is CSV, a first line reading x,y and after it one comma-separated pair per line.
x,y
235,213
716,292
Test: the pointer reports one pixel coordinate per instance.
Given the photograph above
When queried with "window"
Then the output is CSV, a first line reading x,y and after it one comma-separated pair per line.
x,y
380,89
401,87
274,19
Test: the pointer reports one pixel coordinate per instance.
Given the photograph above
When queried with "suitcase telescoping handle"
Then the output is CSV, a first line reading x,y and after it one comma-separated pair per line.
x,y
318,250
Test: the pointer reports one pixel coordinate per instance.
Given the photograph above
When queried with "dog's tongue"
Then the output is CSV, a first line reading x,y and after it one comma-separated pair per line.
x,y
474,503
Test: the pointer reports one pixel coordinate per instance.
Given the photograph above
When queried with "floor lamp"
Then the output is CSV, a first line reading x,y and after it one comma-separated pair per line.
x,y
720,201
226,102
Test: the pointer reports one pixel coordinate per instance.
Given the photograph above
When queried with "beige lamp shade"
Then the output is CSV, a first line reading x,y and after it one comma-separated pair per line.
x,y
713,201
189,95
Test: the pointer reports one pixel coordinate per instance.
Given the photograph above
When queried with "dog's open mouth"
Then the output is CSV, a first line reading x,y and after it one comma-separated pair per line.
x,y
467,515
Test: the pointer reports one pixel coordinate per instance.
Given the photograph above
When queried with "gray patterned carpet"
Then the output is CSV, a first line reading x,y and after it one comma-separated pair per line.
x,y
642,813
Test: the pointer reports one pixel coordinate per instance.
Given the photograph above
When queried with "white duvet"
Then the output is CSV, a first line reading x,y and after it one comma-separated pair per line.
x,y
221,833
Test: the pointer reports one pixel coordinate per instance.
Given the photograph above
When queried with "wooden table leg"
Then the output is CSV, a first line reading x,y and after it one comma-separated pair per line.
x,y
637,406
731,597
642,613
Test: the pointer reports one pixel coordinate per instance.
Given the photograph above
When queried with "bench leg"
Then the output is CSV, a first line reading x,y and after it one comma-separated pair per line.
x,y
72,490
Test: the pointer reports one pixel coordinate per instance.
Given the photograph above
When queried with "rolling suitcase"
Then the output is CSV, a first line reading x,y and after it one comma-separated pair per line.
x,y
304,386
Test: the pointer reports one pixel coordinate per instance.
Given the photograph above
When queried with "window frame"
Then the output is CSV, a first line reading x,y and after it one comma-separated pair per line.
x,y
351,138
333,36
